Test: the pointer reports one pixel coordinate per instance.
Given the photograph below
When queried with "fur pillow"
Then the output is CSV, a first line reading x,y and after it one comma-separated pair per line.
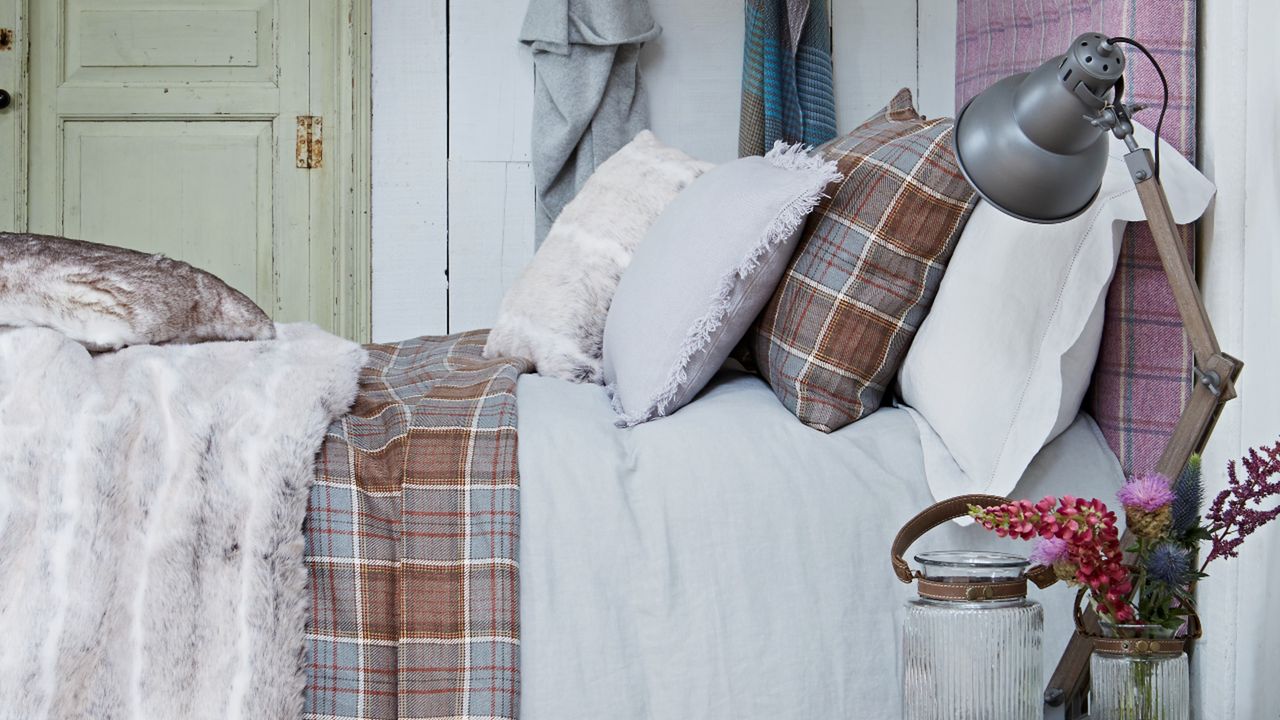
x,y
107,297
555,312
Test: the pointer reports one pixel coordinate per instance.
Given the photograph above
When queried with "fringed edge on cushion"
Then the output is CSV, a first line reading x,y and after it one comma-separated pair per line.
x,y
792,215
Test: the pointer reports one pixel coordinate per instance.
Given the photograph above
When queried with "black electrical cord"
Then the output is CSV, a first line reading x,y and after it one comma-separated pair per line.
x,y
1164,86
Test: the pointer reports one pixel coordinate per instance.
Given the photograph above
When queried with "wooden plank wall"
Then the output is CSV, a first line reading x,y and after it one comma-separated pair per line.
x,y
410,284
453,97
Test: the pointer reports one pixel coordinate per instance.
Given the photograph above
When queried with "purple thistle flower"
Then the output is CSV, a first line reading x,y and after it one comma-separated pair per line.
x,y
1169,564
1147,493
1049,550
1188,495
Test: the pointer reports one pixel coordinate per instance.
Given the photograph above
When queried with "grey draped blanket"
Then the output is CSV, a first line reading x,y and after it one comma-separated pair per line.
x,y
589,100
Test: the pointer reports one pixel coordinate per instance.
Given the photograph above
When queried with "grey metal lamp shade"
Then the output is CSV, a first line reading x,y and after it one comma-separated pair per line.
x,y
1027,143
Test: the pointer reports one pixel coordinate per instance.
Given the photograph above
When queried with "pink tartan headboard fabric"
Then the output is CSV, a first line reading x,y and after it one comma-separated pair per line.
x,y
1143,376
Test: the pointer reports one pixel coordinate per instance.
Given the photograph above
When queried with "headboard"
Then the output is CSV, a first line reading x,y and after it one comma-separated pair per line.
x,y
1143,375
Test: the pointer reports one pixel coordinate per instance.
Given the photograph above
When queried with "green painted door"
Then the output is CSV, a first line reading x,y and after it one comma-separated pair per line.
x,y
173,126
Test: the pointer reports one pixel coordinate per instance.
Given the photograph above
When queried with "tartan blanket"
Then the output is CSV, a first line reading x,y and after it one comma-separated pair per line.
x,y
1143,376
412,537
788,92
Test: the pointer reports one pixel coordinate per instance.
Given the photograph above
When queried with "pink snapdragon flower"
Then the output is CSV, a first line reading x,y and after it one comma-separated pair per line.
x,y
1088,531
1147,493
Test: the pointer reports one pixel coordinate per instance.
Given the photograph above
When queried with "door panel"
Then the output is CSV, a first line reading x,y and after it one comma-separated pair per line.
x,y
169,126
154,41
177,186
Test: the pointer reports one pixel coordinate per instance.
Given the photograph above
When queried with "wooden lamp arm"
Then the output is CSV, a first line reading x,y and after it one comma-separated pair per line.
x,y
1215,374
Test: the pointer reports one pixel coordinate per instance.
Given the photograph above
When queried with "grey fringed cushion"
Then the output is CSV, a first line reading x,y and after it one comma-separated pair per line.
x,y
705,269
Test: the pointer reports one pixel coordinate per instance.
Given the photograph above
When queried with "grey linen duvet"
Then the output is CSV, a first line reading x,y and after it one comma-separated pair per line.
x,y
729,562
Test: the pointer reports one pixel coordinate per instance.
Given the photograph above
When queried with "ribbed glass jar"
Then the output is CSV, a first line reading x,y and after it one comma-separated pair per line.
x,y
1139,686
972,660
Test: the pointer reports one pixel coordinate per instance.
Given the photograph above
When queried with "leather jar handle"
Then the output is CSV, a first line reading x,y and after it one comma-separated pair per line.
x,y
939,513
930,518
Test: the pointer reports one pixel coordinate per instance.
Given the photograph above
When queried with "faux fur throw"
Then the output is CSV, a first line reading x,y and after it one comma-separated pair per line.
x,y
109,297
151,508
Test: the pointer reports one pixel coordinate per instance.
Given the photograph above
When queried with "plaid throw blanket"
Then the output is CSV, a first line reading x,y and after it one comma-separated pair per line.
x,y
411,540
787,88
1143,376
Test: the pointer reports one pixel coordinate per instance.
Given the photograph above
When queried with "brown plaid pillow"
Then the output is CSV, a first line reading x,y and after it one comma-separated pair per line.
x,y
866,269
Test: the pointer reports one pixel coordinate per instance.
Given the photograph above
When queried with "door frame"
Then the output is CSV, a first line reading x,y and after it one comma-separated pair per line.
x,y
349,149
353,286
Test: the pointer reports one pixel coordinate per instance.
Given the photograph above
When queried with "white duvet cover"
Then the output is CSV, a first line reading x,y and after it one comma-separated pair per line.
x,y
730,562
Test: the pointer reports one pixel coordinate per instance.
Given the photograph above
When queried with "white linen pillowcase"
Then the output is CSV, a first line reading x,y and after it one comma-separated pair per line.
x,y
555,312
705,270
1004,359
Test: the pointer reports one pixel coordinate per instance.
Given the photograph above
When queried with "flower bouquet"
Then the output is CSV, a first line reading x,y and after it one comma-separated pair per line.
x,y
1145,590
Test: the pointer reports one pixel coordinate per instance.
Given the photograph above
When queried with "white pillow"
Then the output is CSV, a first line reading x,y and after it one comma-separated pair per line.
x,y
1002,362
554,314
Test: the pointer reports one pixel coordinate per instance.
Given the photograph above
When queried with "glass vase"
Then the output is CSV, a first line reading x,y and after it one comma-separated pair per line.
x,y
1135,684
972,660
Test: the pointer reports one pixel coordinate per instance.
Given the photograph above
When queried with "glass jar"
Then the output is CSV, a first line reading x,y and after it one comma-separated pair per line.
x,y
973,658
1131,681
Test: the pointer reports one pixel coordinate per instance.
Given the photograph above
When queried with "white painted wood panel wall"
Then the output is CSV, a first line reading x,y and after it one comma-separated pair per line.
x,y
453,97
1233,668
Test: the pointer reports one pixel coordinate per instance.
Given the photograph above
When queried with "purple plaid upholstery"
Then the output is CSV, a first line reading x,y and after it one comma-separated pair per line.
x,y
411,540
866,269
1143,375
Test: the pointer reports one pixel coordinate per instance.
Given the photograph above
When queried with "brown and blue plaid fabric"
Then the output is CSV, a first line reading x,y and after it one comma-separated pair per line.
x,y
867,268
412,537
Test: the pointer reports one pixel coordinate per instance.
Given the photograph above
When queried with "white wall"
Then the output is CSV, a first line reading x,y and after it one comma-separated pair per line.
x,y
453,94
1234,666
410,155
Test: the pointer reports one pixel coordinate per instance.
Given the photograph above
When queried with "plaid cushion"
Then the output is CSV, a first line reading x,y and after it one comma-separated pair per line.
x,y
866,269
411,539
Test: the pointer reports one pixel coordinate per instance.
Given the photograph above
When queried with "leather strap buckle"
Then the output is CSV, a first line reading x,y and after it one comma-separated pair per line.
x,y
972,592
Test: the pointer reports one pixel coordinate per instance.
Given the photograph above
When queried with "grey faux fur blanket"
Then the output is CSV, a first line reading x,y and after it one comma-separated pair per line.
x,y
151,507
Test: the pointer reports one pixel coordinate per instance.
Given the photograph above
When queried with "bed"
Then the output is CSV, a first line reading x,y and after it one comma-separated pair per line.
x,y
726,561
482,542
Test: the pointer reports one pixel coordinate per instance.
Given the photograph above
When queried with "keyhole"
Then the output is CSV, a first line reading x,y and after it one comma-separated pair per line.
x,y
6,39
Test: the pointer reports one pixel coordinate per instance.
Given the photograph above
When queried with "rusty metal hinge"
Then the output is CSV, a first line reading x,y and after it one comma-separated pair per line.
x,y
310,142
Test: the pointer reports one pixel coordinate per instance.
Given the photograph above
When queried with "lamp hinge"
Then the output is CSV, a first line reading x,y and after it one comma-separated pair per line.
x,y
310,149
